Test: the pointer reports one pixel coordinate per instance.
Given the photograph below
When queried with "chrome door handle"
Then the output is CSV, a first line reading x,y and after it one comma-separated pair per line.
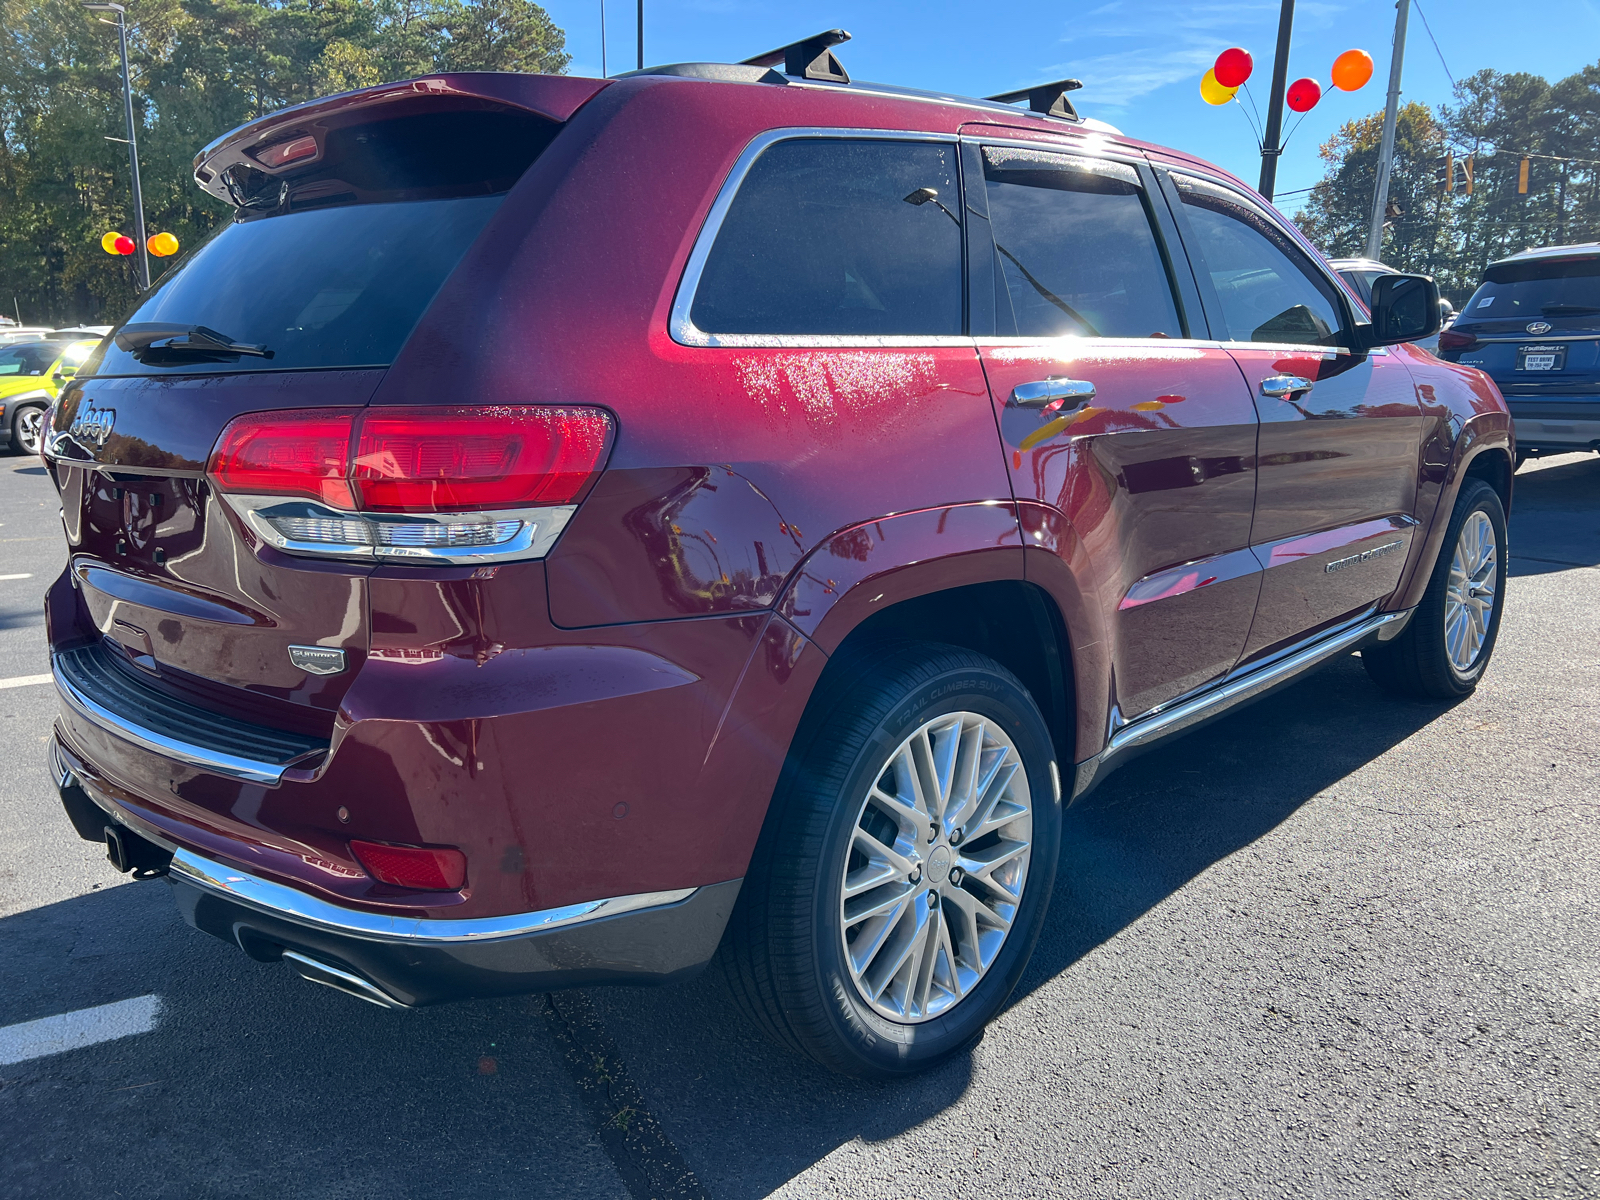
x,y
1284,386
1052,393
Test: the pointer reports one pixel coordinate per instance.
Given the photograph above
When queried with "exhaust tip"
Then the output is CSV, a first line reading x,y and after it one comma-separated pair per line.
x,y
339,979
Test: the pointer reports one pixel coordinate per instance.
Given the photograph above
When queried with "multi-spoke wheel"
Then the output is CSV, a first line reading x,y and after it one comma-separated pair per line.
x,y
27,425
1472,590
905,869
937,866
1446,646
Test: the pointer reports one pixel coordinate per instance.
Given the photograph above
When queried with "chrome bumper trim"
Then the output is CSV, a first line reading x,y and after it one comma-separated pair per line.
x,y
290,904
201,757
1246,685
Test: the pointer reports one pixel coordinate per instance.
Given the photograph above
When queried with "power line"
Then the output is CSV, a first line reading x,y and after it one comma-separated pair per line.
x,y
1435,42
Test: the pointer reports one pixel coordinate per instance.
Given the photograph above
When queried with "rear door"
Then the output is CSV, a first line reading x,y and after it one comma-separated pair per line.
x,y
1340,430
1117,417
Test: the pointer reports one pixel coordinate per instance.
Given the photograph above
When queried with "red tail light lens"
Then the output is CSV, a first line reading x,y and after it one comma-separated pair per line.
x,y
304,452
416,459
424,868
1451,340
477,459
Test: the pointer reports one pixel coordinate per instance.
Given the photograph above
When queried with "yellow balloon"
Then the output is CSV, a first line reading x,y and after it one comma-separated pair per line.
x,y
1213,92
163,244
109,243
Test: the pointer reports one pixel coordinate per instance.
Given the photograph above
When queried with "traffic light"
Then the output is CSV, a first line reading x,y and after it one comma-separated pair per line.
x,y
1444,174
1522,178
1466,171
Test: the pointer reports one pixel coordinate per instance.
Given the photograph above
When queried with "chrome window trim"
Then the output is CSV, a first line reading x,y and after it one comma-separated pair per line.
x,y
1180,343
291,904
200,757
684,331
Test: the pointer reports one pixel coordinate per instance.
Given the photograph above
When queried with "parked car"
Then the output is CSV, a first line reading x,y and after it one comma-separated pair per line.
x,y
1534,326
560,526
30,375
1361,273
11,334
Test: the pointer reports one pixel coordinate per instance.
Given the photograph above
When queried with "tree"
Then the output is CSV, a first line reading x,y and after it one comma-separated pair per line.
x,y
200,68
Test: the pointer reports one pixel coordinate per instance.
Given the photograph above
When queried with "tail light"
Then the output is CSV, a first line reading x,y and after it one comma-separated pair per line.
x,y
1451,340
451,485
425,868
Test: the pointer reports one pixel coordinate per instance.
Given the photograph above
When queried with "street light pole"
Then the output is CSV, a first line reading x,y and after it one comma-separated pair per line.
x,y
1270,149
1391,108
133,141
641,35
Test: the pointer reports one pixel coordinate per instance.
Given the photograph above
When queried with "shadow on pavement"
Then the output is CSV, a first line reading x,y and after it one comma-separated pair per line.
x,y
749,1115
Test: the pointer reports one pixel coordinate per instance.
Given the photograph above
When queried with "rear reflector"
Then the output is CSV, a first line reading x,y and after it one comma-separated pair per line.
x,y
416,460
425,868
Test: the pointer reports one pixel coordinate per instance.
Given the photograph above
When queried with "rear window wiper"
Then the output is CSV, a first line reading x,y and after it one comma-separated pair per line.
x,y
1568,310
144,338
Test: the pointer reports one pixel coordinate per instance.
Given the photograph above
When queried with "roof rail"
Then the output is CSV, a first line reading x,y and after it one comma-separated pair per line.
x,y
1049,99
809,58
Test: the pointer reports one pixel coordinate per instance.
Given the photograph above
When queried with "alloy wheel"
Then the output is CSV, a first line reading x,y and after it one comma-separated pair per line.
x,y
1470,594
30,424
936,869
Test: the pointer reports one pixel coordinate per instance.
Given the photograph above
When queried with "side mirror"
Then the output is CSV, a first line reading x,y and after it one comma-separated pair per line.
x,y
64,374
1405,308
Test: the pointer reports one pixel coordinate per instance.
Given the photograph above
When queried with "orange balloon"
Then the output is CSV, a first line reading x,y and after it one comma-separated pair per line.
x,y
1351,70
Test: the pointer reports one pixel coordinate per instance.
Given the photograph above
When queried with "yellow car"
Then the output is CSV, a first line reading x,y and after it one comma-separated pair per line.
x,y
31,373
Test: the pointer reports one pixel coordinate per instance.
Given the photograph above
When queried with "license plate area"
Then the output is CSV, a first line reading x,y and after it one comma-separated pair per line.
x,y
1541,358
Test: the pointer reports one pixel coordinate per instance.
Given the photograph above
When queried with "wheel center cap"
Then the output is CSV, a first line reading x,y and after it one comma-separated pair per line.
x,y
939,864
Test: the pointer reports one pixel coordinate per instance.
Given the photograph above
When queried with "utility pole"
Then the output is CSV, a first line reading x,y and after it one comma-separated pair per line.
x,y
1270,149
133,141
1380,194
641,35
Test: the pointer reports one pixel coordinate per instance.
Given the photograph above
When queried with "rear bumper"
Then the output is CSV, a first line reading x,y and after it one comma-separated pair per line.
x,y
401,961
1556,423
646,939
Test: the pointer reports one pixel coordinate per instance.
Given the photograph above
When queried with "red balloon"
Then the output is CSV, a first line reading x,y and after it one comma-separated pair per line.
x,y
124,245
1304,94
1233,67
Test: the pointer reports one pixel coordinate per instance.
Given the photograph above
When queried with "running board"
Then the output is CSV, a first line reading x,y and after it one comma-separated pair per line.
x,y
1249,684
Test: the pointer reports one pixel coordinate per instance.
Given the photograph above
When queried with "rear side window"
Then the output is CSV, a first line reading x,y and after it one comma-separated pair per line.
x,y
1529,290
1267,290
1075,250
837,236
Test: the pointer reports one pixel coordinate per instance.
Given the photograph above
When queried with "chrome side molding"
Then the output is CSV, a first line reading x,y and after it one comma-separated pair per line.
x,y
1243,685
300,908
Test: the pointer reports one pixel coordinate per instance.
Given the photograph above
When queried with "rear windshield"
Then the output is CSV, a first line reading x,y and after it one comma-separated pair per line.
x,y
332,287
1527,290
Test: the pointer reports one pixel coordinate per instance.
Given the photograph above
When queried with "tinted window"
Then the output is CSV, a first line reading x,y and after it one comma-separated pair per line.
x,y
1528,290
838,237
1075,250
1267,289
333,287
28,359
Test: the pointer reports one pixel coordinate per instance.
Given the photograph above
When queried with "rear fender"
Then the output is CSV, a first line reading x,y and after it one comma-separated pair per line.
x,y
868,567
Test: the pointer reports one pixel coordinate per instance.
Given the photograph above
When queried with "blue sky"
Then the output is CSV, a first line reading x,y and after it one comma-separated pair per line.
x,y
1140,60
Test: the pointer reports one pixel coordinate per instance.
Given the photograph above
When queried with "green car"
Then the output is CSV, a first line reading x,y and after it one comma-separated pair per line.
x,y
30,375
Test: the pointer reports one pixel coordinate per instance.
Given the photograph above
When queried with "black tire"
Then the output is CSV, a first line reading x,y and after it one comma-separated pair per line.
x,y
26,428
784,954
1418,663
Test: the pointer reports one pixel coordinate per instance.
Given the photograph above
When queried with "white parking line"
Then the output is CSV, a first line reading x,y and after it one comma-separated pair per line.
x,y
24,575
74,1030
24,680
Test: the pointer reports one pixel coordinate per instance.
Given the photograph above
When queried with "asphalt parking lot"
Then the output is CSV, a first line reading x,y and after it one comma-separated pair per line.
x,y
1336,945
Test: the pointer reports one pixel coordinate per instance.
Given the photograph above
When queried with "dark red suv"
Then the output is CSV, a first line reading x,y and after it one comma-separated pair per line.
x,y
563,526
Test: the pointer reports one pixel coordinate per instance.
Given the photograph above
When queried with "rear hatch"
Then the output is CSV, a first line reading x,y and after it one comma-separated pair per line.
x,y
1534,326
349,216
